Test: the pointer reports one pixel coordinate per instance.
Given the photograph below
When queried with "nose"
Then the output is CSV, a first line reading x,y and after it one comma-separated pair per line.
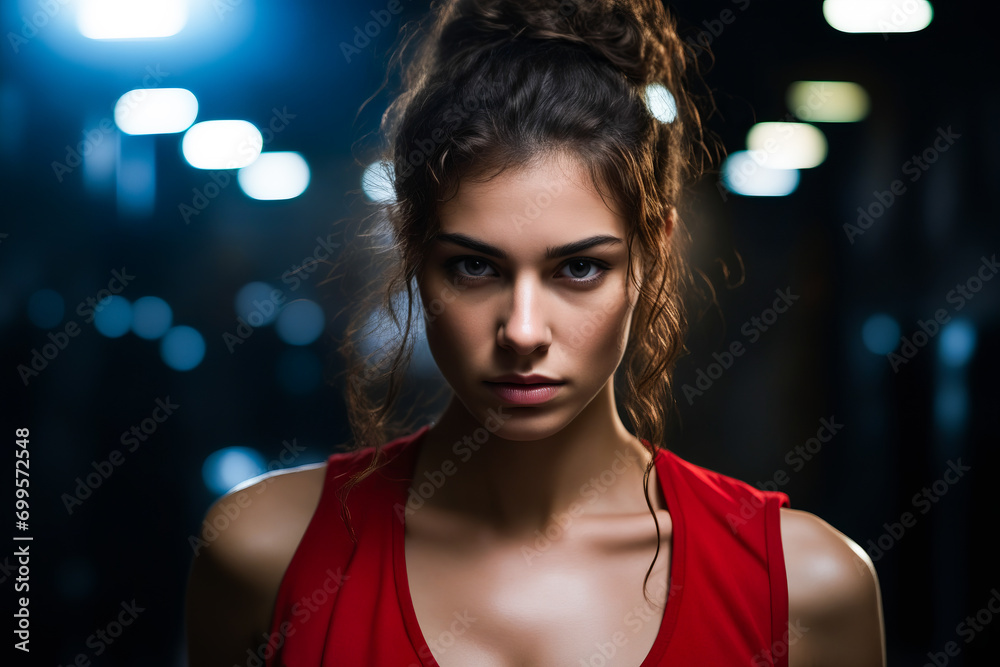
x,y
526,327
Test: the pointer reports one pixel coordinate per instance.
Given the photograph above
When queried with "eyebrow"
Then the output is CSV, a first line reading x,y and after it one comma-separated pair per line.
x,y
550,252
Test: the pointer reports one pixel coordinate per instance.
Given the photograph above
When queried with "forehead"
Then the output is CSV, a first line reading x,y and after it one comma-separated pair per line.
x,y
547,203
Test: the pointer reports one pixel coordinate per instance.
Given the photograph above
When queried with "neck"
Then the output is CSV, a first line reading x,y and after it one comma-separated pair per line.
x,y
513,486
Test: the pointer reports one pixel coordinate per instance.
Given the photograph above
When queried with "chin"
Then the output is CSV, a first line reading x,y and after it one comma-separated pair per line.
x,y
528,429
522,424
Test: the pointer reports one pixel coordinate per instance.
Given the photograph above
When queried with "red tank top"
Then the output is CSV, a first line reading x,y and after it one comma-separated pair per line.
x,y
346,606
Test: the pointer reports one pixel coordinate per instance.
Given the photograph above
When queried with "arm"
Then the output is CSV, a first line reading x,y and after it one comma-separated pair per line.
x,y
834,602
247,540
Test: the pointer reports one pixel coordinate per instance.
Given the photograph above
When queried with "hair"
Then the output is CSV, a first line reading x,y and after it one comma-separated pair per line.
x,y
498,84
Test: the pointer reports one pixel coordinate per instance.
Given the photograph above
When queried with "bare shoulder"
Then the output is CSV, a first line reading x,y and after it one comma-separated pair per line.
x,y
247,540
834,601
259,523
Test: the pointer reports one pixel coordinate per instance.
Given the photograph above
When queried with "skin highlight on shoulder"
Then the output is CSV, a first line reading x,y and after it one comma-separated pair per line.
x,y
834,600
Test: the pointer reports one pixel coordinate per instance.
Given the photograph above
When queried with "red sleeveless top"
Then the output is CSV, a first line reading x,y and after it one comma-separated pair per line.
x,y
346,606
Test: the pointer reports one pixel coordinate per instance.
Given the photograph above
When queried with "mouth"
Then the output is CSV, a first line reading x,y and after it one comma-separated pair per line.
x,y
518,393
533,378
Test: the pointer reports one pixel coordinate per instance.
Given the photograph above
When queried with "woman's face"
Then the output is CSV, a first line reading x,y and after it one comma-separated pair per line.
x,y
506,292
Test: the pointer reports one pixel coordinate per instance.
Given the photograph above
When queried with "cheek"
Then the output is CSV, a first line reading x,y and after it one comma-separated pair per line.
x,y
449,325
600,330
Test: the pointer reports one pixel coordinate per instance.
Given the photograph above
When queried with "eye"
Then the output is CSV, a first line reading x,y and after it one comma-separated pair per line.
x,y
474,267
471,268
580,269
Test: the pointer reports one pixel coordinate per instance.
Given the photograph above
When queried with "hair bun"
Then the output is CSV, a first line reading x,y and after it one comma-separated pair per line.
x,y
637,36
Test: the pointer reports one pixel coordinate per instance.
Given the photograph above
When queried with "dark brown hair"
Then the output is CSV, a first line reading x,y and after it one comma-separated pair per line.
x,y
499,84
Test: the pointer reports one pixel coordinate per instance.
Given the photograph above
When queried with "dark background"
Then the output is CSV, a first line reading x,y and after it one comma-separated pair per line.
x,y
243,59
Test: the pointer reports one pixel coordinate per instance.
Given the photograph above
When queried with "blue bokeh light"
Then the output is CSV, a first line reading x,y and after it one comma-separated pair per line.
x,y
743,175
958,342
951,406
151,317
300,322
229,466
880,333
113,316
256,303
182,348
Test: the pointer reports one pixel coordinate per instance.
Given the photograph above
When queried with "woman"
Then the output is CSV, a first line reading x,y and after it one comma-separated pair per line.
x,y
535,212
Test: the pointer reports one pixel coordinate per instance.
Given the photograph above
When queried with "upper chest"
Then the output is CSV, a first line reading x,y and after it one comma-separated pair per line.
x,y
572,593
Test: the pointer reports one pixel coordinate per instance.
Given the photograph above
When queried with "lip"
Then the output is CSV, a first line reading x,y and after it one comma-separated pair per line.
x,y
534,378
524,394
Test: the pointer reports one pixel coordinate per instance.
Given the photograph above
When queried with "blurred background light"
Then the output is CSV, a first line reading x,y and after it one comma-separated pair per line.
x,y
743,175
787,145
376,182
156,110
828,101
130,19
256,303
113,316
878,15
300,322
151,317
100,162
958,343
880,333
951,405
275,175
46,308
222,144
135,175
225,468
661,103
182,348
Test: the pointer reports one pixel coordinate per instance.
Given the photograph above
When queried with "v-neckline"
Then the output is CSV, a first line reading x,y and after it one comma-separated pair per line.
x,y
676,577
